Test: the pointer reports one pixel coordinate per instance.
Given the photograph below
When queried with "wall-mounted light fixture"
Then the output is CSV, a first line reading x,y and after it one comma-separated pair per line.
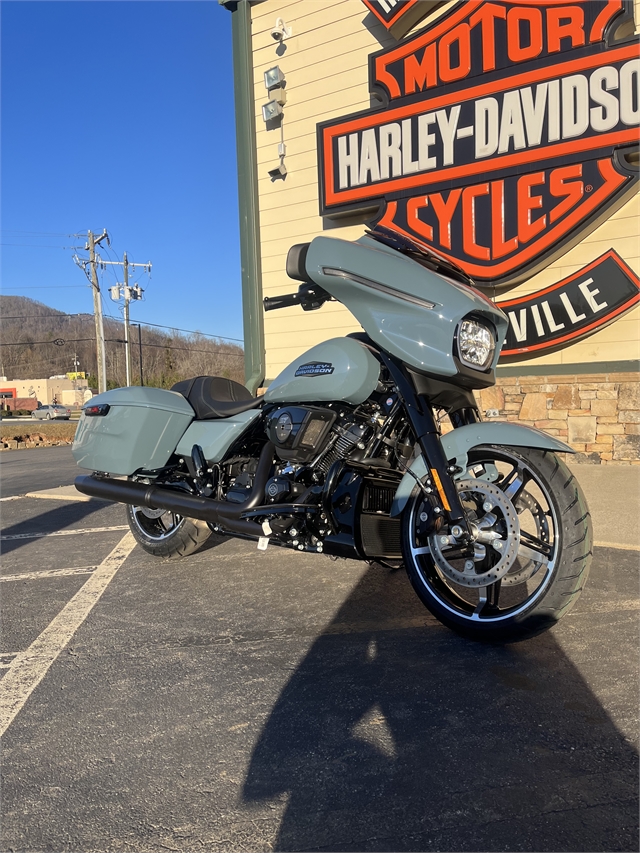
x,y
274,83
279,172
273,77
272,113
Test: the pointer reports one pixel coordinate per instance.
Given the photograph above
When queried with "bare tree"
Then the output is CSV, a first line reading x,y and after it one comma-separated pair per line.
x,y
28,350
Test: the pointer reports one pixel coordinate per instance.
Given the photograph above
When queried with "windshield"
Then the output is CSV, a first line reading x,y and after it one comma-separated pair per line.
x,y
426,257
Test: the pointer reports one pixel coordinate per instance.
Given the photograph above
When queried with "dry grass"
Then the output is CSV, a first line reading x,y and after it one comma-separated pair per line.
x,y
31,431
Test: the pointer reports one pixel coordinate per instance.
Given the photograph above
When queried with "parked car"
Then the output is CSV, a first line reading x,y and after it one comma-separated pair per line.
x,y
50,412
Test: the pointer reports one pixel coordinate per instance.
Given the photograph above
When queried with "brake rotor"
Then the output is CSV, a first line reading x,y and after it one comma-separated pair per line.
x,y
495,522
150,513
524,502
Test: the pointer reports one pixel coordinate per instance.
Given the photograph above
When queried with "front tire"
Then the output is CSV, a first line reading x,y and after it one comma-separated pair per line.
x,y
532,553
162,533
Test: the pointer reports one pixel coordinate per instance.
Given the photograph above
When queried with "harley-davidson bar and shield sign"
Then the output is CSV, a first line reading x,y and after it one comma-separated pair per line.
x,y
508,130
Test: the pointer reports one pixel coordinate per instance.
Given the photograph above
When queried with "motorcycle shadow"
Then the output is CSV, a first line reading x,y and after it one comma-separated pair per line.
x,y
396,734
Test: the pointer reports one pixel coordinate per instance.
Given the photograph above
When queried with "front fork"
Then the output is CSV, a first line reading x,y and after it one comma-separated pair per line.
x,y
439,488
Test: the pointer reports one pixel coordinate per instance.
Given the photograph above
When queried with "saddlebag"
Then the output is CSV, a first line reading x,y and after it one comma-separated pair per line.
x,y
130,429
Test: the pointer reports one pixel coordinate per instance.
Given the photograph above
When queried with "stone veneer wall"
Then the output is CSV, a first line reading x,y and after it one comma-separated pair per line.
x,y
598,414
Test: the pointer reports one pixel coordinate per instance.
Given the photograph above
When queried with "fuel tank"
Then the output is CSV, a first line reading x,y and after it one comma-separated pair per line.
x,y
340,370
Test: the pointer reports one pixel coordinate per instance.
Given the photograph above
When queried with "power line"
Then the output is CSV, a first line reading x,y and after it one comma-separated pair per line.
x,y
119,320
192,332
39,316
120,341
46,287
40,246
39,233
31,362
185,349
33,343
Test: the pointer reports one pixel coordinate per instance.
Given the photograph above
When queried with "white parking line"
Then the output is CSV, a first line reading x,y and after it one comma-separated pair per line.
x,y
29,667
64,532
49,573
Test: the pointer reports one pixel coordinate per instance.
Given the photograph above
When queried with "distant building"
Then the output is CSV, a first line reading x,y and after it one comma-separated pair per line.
x,y
67,390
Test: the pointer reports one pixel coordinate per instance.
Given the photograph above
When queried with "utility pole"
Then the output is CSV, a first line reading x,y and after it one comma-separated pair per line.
x,y
140,351
76,365
97,309
128,293
127,342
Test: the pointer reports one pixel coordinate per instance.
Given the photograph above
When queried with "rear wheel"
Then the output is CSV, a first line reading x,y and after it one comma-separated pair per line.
x,y
532,550
165,534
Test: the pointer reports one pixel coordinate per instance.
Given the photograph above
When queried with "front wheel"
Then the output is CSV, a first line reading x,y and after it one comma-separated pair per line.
x,y
165,534
531,553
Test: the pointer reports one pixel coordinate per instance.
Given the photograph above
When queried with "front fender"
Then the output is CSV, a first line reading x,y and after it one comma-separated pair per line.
x,y
459,442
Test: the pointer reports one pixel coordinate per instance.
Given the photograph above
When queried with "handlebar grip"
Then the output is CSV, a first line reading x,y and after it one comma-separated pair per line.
x,y
285,301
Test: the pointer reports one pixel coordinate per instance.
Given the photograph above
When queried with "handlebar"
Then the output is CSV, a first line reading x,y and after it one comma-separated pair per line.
x,y
284,301
310,296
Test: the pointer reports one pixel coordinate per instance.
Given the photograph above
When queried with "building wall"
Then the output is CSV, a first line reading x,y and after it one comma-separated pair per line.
x,y
326,68
597,414
325,63
65,391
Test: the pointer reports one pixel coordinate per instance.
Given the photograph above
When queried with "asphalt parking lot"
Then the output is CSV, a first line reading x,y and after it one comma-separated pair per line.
x,y
242,700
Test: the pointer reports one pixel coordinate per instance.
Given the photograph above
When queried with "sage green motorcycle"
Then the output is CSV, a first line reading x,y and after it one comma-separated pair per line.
x,y
346,453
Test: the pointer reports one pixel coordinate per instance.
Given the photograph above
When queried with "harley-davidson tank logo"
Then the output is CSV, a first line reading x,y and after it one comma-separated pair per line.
x,y
315,368
570,310
508,131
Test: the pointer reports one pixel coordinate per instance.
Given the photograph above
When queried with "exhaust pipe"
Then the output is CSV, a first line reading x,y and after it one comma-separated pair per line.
x,y
226,514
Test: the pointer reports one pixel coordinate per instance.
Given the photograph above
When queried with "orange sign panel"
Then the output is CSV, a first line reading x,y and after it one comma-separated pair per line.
x,y
507,131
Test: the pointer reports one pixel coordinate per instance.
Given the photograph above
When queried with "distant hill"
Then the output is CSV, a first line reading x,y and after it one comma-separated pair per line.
x,y
28,352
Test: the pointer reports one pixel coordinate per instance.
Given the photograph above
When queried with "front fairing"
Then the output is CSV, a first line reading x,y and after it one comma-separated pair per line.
x,y
408,310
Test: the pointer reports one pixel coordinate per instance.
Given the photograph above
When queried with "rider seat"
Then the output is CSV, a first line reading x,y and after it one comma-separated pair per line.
x,y
216,397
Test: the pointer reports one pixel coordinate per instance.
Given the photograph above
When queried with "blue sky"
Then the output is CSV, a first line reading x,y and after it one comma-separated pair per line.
x,y
120,115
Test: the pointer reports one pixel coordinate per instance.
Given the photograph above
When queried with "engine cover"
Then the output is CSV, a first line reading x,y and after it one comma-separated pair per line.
x,y
299,433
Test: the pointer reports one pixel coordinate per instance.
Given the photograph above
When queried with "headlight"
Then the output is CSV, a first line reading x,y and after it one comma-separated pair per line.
x,y
476,344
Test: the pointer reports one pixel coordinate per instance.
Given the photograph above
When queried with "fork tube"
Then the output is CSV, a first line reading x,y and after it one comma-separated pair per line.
x,y
426,432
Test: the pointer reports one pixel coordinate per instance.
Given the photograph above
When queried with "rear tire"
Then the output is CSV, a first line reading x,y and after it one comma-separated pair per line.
x,y
165,534
535,530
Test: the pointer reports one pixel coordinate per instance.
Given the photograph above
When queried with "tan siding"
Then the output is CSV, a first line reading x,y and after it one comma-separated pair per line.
x,y
326,66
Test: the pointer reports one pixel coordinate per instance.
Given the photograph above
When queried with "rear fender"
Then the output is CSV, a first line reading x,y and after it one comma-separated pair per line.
x,y
459,442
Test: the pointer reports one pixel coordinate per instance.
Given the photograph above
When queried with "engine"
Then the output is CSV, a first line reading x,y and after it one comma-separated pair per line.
x,y
309,440
310,501
306,434
299,433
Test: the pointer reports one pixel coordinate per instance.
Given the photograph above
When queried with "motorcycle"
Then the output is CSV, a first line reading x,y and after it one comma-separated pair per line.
x,y
345,453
